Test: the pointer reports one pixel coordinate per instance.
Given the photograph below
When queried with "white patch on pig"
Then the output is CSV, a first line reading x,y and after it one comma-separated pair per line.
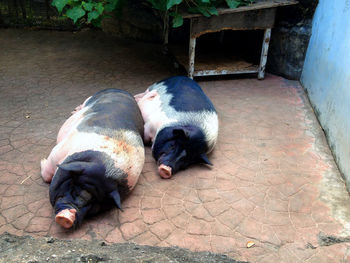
x,y
154,118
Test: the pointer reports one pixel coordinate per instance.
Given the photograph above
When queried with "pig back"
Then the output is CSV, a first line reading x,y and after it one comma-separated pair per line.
x,y
110,110
182,94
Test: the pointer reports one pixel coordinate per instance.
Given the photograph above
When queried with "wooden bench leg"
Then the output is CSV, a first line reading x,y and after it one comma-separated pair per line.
x,y
264,51
192,51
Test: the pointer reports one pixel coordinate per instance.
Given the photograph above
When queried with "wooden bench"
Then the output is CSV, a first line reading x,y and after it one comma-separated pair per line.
x,y
260,15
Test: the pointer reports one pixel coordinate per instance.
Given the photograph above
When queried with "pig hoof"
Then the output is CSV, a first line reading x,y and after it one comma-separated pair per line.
x,y
43,163
164,171
46,177
66,218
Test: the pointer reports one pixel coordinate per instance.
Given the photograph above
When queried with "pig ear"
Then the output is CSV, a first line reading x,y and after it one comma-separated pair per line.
x,y
150,95
116,197
77,167
204,159
80,167
180,133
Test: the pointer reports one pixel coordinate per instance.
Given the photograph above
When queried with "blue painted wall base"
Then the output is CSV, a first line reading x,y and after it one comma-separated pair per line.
x,y
326,76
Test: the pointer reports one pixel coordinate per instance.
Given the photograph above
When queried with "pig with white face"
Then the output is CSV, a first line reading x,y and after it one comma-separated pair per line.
x,y
98,157
180,121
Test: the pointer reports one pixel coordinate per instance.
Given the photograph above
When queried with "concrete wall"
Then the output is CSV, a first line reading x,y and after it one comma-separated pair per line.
x,y
326,76
290,39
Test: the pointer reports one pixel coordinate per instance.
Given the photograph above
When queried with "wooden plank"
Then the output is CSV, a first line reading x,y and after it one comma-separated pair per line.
x,y
200,73
233,66
218,63
256,19
255,6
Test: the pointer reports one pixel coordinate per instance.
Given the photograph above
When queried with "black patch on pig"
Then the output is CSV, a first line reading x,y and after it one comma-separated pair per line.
x,y
187,95
111,110
180,146
81,183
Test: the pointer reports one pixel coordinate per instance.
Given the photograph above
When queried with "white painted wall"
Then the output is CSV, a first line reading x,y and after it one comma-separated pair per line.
x,y
326,76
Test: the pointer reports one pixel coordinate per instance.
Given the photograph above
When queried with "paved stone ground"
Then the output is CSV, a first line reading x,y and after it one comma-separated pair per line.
x,y
274,180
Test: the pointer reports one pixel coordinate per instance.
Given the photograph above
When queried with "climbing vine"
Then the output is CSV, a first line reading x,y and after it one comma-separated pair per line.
x,y
205,7
88,11
93,11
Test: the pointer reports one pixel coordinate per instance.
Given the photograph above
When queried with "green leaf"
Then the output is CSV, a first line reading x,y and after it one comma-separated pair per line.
x,y
75,13
233,3
200,9
96,22
178,20
204,11
88,6
212,10
93,15
158,4
99,8
59,4
171,3
109,7
205,1
112,4
193,9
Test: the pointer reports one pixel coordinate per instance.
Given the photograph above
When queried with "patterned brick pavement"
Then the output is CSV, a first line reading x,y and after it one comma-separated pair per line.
x,y
274,182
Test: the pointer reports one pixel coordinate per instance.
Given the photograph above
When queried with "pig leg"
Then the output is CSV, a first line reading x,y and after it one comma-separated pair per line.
x,y
46,171
49,165
147,138
150,130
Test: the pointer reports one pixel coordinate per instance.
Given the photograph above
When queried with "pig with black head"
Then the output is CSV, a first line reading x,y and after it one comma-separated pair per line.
x,y
98,157
180,121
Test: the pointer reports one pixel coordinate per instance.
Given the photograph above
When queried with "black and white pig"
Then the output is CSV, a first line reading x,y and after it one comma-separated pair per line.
x,y
180,121
98,157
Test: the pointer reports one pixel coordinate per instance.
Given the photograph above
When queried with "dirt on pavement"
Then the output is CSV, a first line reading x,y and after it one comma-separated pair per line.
x,y
34,250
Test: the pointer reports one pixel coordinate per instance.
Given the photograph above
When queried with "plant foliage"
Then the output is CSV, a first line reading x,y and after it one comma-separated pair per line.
x,y
89,11
93,11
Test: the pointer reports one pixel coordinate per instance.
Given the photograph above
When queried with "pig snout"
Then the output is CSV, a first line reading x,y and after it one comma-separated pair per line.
x,y
66,218
164,171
